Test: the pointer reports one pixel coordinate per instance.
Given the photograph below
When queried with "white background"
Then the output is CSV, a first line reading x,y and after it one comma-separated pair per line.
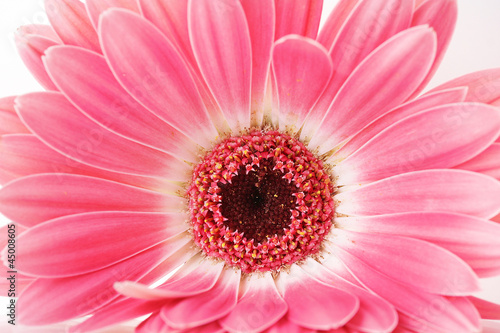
x,y
475,46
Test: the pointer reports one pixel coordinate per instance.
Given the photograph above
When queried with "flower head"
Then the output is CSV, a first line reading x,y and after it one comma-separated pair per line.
x,y
221,166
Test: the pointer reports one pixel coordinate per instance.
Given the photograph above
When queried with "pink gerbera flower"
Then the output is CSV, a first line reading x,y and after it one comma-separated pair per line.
x,y
220,166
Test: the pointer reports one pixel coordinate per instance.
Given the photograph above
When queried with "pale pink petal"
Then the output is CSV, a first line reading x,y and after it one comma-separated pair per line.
x,y
38,198
58,328
474,240
260,307
261,27
428,101
70,132
24,155
41,30
31,48
9,120
152,71
303,293
441,16
335,22
374,314
443,315
196,276
432,190
299,17
92,241
96,7
488,310
490,326
285,325
207,307
70,21
85,78
154,324
369,25
410,261
301,68
123,309
221,42
488,162
482,85
442,137
385,79
41,303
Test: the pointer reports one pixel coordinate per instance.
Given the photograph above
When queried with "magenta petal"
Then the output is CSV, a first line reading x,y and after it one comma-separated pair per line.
x,y
301,69
412,302
194,277
207,307
85,78
38,198
385,79
71,133
151,70
374,314
71,22
368,25
442,137
96,7
260,307
31,48
92,241
432,190
40,303
261,27
9,120
428,101
410,261
299,17
221,42
313,304
474,240
25,155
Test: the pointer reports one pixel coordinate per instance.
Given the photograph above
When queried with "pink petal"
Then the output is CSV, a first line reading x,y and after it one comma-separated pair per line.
x,y
442,137
369,24
260,307
71,22
428,101
335,22
85,78
204,308
487,162
441,16
285,325
373,88
482,85
443,315
415,263
96,7
488,310
92,241
152,71
299,17
71,133
154,324
374,314
208,328
453,191
194,277
302,68
38,198
41,30
474,240
41,304
9,120
221,42
313,304
261,19
31,48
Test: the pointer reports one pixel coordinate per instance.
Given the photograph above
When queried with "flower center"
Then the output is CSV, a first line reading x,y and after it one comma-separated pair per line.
x,y
260,201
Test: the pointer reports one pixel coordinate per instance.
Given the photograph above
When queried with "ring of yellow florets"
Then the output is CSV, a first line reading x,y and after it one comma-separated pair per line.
x,y
276,194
